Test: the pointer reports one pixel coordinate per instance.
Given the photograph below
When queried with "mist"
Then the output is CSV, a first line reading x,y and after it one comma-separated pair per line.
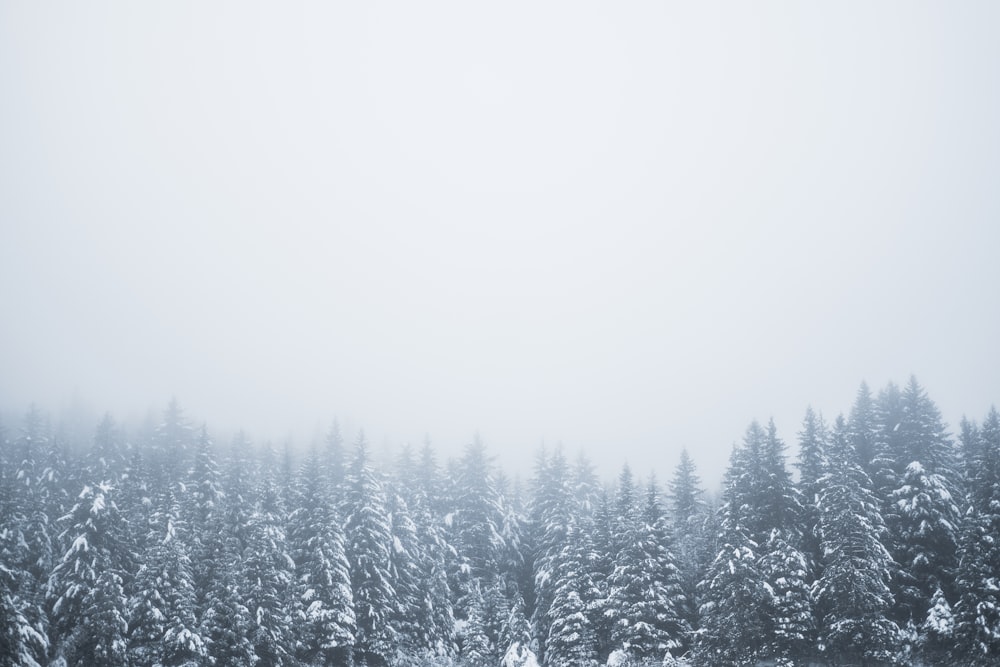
x,y
626,229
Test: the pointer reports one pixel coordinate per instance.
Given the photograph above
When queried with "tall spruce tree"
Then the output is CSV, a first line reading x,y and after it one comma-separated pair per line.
x,y
324,606
85,586
369,536
571,640
269,572
162,625
853,596
688,513
977,609
644,590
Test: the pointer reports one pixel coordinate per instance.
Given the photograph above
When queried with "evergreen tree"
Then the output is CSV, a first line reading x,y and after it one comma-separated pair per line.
x,y
918,485
937,635
161,618
759,494
479,514
601,569
226,624
862,430
434,604
172,447
644,592
33,540
476,646
205,522
334,462
688,512
852,596
733,631
977,610
106,458
407,567
324,610
85,585
812,466
269,572
571,641
369,535
789,611
552,508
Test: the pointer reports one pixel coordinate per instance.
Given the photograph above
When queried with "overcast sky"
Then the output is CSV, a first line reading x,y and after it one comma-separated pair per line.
x,y
623,226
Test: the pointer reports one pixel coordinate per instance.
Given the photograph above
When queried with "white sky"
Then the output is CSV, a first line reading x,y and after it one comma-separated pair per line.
x,y
627,227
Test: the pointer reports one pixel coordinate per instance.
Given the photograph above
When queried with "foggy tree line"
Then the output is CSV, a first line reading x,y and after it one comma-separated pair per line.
x,y
170,549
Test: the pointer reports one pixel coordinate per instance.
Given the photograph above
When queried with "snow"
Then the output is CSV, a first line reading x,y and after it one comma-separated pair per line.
x,y
617,658
519,655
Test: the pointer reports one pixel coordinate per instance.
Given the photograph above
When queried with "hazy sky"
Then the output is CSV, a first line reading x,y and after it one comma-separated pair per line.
x,y
623,226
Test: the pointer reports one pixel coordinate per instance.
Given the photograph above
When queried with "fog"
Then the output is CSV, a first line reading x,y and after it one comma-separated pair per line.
x,y
623,227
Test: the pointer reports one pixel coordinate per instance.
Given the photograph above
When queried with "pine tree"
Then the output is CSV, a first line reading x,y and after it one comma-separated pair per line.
x,y
789,611
268,570
759,494
34,542
571,641
87,580
368,538
759,498
106,458
226,624
324,609
602,568
644,594
938,631
688,512
852,596
434,604
733,631
977,610
161,619
552,507
918,482
21,643
862,430
334,463
476,646
479,514
407,567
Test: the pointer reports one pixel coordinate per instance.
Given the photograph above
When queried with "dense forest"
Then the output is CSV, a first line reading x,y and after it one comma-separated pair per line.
x,y
878,545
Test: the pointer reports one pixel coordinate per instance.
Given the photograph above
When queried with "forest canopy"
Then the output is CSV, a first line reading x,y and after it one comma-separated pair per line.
x,y
876,545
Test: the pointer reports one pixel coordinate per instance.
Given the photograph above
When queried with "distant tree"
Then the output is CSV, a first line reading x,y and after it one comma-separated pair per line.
x,y
812,466
172,447
862,430
688,513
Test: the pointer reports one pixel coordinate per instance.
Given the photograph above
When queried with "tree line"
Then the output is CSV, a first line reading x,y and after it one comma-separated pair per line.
x,y
164,548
